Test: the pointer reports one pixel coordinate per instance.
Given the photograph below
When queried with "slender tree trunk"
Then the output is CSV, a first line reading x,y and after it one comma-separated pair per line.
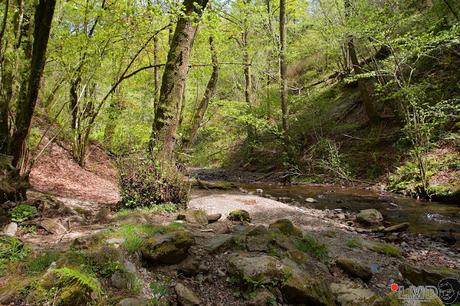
x,y
208,95
28,97
156,72
165,124
362,84
283,68
4,102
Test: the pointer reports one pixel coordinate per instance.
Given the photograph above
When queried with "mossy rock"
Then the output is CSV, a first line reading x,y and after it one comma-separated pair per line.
x,y
355,268
170,248
196,216
369,216
286,227
400,299
74,296
239,215
421,276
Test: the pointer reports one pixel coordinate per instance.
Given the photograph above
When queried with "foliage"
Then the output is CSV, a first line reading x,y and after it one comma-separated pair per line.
x,y
11,250
156,209
134,235
41,262
23,212
159,292
328,158
312,246
68,277
146,183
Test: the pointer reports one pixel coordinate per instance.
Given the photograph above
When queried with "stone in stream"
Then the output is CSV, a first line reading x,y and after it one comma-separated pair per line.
x,y
310,200
239,215
369,216
170,248
354,268
422,276
397,228
185,296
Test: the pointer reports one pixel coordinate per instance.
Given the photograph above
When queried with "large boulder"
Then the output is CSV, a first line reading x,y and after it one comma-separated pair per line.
x,y
297,285
195,216
422,276
286,227
220,242
170,248
369,217
262,297
354,268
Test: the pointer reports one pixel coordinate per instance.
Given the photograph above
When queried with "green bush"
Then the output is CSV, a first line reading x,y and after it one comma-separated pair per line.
x,y
23,212
145,183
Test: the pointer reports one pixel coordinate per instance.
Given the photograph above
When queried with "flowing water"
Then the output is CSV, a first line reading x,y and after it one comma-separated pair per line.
x,y
429,218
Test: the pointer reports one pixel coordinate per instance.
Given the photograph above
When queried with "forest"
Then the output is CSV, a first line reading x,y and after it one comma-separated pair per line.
x,y
230,152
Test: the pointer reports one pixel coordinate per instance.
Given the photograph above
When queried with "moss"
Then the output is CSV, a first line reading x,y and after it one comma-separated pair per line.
x,y
386,249
312,246
286,227
40,263
354,243
11,250
239,215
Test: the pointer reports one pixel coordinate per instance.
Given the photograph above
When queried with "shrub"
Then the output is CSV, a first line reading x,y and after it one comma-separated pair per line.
x,y
23,212
145,183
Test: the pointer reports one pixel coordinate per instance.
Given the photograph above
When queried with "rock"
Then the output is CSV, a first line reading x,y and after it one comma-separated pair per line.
x,y
239,215
258,230
170,248
286,227
262,297
133,302
346,295
262,269
115,241
119,280
354,268
213,218
406,297
219,243
191,266
422,276
310,200
259,191
196,216
297,286
397,228
185,296
53,226
103,215
11,229
369,216
259,243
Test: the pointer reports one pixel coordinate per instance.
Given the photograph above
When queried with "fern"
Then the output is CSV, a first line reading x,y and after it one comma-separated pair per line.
x,y
72,277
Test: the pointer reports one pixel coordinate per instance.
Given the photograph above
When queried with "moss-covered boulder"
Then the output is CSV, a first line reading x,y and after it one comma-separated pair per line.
x,y
349,294
261,297
286,227
195,216
354,268
369,216
170,248
220,242
422,276
298,286
239,215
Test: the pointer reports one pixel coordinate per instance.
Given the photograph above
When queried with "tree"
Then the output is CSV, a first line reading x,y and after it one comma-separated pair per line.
x,y
29,93
283,69
208,95
167,114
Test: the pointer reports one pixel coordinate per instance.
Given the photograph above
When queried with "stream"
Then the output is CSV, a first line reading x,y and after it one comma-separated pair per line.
x,y
428,218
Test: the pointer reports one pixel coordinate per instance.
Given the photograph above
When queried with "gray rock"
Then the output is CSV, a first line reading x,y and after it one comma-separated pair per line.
x,y
348,294
119,280
369,216
53,226
196,216
310,200
219,243
185,296
11,229
286,227
354,268
262,297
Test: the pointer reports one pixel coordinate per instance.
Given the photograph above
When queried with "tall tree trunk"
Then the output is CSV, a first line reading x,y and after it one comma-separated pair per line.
x,y
156,72
166,120
29,93
362,84
208,95
4,102
283,68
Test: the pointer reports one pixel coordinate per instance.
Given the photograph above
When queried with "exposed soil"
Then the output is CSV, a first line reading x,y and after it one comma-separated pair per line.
x,y
57,173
